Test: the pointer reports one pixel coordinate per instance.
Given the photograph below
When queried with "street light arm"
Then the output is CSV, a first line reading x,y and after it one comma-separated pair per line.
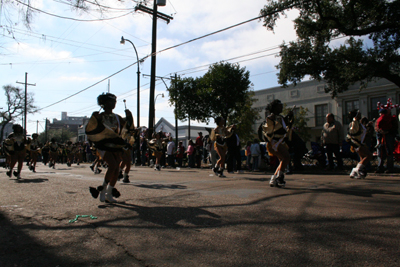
x,y
138,79
134,47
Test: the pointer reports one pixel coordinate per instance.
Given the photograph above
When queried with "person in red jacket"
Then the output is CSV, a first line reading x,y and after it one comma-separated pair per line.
x,y
386,130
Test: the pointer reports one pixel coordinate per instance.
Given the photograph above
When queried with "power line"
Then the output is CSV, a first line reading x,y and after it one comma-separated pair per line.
x,y
88,87
163,50
46,36
97,4
62,17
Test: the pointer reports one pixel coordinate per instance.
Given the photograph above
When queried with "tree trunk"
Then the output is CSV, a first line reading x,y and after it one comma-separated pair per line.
x,y
2,130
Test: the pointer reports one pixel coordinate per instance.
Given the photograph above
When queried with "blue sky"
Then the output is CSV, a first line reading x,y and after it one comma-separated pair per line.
x,y
64,56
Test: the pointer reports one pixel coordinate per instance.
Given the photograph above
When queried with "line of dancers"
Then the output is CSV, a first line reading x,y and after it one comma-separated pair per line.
x,y
113,137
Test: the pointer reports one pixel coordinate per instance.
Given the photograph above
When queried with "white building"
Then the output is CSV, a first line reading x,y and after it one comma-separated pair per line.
x,y
183,130
311,95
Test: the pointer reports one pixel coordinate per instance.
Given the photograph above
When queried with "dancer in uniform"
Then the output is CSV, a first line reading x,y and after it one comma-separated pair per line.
x,y
219,134
125,165
157,145
107,131
97,161
356,136
78,153
17,151
54,151
34,151
70,150
275,130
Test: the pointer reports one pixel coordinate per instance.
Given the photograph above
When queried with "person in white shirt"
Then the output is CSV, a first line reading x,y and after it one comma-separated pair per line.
x,y
170,152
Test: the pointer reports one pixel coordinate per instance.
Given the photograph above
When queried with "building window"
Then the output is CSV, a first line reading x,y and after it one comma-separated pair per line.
x,y
320,114
294,93
321,89
349,106
373,112
270,98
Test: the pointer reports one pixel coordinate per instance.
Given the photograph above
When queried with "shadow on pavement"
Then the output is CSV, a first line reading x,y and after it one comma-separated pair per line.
x,y
35,180
170,216
161,186
19,249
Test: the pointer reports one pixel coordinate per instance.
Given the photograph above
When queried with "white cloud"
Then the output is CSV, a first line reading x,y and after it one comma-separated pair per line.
x,y
33,52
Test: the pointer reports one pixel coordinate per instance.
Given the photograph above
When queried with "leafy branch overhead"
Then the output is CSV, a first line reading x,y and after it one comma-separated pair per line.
x,y
369,51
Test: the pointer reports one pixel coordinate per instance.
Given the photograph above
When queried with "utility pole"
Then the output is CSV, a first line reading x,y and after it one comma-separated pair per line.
x,y
167,18
189,126
176,116
45,130
26,94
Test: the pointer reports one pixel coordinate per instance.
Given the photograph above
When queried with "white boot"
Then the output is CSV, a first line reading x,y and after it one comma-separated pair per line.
x,y
103,192
354,173
362,173
273,181
109,197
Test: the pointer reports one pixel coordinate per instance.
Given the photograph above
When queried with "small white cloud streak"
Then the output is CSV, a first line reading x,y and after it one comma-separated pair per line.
x,y
32,53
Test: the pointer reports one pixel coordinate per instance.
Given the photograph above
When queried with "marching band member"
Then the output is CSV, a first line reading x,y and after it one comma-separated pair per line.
x,y
16,149
54,150
219,134
97,161
78,153
275,131
156,145
70,150
34,151
356,136
107,131
125,165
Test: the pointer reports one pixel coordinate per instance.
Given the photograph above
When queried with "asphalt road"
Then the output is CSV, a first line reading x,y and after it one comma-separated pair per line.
x,y
189,217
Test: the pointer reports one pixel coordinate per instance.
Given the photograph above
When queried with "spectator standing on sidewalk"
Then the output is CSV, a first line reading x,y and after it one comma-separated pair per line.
x,y
170,152
143,150
386,130
255,153
248,155
199,149
332,137
179,153
190,152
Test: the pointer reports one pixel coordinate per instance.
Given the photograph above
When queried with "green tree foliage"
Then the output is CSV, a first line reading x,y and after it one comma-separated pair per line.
x,y
300,122
223,91
15,106
370,50
186,94
61,135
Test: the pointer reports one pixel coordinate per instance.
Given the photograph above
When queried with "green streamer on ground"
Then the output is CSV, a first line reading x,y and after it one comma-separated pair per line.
x,y
82,216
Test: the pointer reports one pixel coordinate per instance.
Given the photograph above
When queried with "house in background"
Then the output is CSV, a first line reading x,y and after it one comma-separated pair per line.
x,y
183,131
161,125
73,124
311,95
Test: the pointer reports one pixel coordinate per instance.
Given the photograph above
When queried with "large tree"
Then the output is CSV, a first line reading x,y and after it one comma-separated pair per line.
x,y
61,135
370,50
187,96
15,106
223,91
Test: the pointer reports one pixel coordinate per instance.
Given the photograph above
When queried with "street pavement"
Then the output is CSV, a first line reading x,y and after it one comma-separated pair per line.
x,y
190,217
